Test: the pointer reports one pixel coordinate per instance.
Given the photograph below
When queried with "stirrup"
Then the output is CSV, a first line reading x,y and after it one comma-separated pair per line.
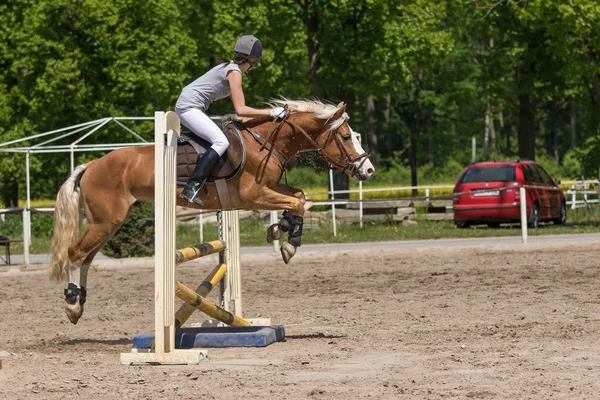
x,y
193,198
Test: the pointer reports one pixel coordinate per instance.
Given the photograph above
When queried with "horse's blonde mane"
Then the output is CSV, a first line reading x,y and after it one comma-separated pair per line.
x,y
321,110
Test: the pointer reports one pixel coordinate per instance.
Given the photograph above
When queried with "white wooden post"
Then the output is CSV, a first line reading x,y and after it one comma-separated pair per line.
x,y
273,220
523,201
164,269
201,225
331,188
360,204
27,214
26,234
231,285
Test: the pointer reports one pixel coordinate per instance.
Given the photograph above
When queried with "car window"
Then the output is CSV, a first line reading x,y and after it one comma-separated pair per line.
x,y
526,174
545,176
503,173
534,175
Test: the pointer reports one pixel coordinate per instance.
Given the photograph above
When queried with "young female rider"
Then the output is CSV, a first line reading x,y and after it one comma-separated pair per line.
x,y
221,81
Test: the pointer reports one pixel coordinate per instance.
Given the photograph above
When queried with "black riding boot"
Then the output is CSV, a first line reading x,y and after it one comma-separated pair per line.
x,y
205,163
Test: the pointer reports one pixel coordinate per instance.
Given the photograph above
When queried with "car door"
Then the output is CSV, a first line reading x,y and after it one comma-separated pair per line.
x,y
540,193
553,194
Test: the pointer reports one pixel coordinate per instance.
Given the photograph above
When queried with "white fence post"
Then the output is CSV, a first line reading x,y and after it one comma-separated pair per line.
x,y
523,201
26,234
27,213
331,188
273,220
360,204
201,225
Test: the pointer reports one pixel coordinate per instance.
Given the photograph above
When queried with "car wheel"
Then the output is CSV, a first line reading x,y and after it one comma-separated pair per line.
x,y
534,218
562,216
461,224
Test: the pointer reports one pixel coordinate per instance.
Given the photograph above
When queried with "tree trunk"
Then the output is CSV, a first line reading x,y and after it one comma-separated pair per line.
x,y
10,194
554,130
372,132
486,134
526,127
312,43
15,194
492,132
415,129
430,152
597,92
388,106
573,124
504,129
341,181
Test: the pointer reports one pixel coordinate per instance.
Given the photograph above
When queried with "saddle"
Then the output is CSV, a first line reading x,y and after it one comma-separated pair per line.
x,y
190,147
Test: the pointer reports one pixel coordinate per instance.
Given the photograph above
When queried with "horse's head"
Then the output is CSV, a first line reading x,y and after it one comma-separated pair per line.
x,y
326,130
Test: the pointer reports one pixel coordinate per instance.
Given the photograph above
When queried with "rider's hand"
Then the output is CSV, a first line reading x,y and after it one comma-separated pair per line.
x,y
277,112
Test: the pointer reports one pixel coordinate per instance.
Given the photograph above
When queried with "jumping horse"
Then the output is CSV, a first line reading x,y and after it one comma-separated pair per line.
x,y
104,190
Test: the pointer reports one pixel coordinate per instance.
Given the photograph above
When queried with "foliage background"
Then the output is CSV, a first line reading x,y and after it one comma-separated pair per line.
x,y
420,77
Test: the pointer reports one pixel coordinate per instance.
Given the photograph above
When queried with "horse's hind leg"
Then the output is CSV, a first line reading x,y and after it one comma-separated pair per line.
x,y
81,255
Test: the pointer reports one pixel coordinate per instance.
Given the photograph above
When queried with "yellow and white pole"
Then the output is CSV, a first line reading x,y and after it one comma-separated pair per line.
x,y
186,310
194,299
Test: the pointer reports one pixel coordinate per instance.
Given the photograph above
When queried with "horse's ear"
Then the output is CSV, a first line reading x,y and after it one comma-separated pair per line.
x,y
341,109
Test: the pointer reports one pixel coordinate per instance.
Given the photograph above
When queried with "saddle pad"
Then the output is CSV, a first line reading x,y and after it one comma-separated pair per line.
x,y
227,166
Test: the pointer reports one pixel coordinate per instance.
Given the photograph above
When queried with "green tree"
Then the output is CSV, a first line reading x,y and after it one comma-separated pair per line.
x,y
66,62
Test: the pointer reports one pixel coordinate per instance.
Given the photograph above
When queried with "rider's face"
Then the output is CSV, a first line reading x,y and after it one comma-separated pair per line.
x,y
253,61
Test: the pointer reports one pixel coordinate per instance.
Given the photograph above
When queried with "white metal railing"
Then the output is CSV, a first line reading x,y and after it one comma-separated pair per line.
x,y
570,199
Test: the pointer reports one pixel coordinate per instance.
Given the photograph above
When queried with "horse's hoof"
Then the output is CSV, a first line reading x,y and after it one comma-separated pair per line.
x,y
74,311
287,252
274,233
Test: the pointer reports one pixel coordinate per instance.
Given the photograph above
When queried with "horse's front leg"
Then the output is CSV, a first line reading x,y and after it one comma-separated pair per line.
x,y
289,220
291,200
292,224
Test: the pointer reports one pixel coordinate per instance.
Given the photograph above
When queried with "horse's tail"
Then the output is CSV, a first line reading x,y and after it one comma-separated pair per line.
x,y
67,223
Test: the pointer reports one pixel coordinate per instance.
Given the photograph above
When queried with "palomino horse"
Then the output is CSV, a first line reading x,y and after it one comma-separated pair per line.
x,y
104,190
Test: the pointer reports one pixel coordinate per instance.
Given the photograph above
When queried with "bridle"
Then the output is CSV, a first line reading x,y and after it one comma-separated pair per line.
x,y
347,164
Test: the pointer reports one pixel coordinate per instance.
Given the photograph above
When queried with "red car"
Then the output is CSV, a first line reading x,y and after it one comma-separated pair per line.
x,y
481,197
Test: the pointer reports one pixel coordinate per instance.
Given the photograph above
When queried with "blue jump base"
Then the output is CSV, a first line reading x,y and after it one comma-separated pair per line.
x,y
229,336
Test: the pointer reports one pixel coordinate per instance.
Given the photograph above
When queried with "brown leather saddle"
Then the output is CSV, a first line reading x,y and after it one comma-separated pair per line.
x,y
190,147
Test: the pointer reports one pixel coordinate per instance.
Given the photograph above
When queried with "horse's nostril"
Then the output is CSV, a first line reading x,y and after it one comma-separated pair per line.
x,y
370,171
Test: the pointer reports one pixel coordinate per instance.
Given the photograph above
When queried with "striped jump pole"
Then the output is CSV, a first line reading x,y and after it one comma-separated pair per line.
x,y
186,310
212,310
199,250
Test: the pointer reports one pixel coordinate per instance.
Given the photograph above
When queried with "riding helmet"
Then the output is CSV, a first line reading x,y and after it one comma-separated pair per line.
x,y
247,47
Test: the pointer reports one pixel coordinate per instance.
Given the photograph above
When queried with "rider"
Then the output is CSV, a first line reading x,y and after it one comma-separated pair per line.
x,y
221,81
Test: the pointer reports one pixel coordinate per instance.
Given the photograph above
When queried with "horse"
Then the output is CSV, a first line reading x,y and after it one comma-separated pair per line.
x,y
104,190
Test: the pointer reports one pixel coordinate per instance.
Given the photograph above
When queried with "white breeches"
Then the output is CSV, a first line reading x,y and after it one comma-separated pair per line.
x,y
204,127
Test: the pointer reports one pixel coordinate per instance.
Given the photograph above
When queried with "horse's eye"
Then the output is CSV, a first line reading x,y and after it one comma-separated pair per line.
x,y
347,137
